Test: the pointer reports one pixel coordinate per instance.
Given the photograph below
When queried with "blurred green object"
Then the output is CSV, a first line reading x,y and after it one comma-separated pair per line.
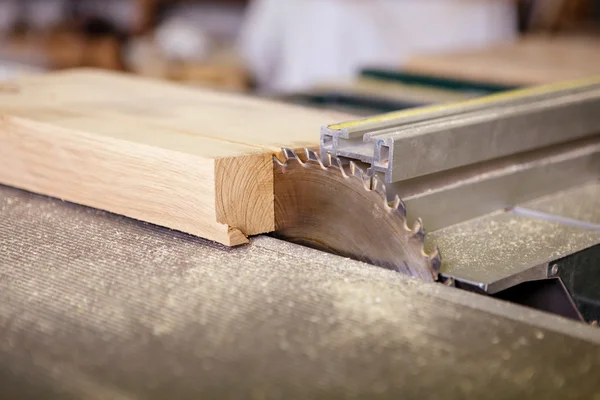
x,y
475,87
379,90
353,103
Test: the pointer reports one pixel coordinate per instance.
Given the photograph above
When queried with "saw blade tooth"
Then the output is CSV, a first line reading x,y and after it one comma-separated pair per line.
x,y
368,181
399,205
353,168
379,187
329,160
357,172
417,229
290,154
313,157
435,260
450,282
337,164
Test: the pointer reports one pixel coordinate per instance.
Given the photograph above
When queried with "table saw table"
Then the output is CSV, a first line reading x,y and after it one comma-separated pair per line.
x,y
94,304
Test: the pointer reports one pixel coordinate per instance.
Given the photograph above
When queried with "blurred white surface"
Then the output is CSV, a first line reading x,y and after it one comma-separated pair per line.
x,y
294,44
191,31
218,20
180,39
10,70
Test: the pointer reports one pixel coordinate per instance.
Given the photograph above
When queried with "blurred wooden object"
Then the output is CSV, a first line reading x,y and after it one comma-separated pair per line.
x,y
558,15
206,74
146,15
92,39
62,50
535,59
224,69
229,77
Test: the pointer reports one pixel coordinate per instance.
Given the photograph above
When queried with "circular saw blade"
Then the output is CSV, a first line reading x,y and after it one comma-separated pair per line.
x,y
341,210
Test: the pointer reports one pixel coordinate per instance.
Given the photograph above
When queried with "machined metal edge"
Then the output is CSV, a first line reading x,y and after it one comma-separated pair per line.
x,y
498,251
534,273
471,138
451,197
355,129
439,144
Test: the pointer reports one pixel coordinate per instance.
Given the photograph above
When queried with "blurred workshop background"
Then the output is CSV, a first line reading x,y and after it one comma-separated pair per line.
x,y
362,56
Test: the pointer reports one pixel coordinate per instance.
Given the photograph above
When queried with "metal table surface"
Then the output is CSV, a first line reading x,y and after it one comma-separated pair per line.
x,y
93,305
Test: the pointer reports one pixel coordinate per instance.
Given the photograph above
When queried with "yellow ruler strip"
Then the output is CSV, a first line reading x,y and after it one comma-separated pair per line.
x,y
509,95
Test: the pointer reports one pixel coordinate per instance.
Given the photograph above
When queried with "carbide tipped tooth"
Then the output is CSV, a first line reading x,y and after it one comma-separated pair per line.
x,y
367,181
354,168
399,205
449,282
313,157
289,153
337,163
329,159
357,172
310,154
379,187
435,260
418,229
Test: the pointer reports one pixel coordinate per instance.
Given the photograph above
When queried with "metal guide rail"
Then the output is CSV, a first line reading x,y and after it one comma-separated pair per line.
x,y
414,143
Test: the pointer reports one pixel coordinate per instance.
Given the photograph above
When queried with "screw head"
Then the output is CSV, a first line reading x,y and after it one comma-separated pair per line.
x,y
553,269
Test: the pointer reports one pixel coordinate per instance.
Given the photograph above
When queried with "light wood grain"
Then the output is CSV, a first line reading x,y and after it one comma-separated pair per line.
x,y
191,160
532,60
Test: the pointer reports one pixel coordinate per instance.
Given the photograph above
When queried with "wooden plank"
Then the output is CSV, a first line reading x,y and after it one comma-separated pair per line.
x,y
533,60
195,161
